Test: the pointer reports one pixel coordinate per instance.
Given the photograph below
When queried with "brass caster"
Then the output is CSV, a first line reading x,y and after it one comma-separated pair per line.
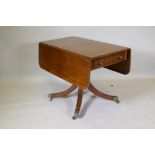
x,y
116,99
76,115
50,96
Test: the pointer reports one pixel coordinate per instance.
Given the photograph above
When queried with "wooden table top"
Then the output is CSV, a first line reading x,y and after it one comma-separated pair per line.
x,y
85,47
73,58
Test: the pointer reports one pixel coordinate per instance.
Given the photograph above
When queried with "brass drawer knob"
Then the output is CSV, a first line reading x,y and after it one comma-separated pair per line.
x,y
100,63
121,57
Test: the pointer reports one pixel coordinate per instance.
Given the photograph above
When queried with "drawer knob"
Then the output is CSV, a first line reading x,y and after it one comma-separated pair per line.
x,y
121,57
100,63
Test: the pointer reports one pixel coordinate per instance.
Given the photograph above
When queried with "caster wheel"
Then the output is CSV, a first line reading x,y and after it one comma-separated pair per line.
x,y
50,96
116,99
76,115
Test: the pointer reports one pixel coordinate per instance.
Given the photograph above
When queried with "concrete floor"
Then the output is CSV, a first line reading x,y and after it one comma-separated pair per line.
x,y
24,104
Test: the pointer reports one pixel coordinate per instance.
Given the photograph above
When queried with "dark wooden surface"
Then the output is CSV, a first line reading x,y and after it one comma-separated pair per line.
x,y
62,93
85,47
66,65
73,58
109,60
122,67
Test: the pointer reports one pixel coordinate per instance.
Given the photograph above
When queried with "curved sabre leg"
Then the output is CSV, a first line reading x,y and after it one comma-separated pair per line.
x,y
63,93
101,94
78,105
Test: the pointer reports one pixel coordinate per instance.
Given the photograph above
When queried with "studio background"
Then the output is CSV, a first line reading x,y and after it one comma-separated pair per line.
x,y
24,85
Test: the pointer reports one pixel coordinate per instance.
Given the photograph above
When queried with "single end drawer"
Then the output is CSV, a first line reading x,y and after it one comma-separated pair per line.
x,y
109,60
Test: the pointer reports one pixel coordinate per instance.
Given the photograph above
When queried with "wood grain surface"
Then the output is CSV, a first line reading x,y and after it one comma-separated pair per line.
x,y
66,65
85,47
72,58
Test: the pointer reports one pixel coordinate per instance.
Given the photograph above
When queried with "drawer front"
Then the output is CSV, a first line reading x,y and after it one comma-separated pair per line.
x,y
109,60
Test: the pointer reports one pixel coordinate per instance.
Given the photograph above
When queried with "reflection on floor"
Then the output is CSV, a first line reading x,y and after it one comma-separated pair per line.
x,y
24,104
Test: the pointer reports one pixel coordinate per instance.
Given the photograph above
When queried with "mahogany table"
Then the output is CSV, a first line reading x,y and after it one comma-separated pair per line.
x,y
73,58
